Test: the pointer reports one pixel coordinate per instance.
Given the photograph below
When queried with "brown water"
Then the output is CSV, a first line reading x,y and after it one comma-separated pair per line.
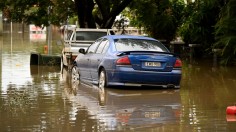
x,y
44,98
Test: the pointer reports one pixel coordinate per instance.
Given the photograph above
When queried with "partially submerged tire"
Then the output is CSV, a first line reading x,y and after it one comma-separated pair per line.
x,y
102,79
101,85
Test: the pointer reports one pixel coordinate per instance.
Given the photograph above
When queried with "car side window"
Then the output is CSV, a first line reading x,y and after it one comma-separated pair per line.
x,y
105,47
102,46
92,48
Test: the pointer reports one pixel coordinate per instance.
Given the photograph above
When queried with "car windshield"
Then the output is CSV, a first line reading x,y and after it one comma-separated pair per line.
x,y
89,36
125,44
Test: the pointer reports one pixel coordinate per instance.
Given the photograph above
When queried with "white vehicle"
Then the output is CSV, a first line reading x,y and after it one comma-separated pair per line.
x,y
79,38
67,27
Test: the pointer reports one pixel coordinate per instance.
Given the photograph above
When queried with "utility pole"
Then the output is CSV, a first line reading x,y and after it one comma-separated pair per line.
x,y
1,23
49,34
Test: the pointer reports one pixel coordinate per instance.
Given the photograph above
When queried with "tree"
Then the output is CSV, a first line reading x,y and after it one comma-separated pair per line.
x,y
199,20
91,13
102,13
41,12
161,19
84,10
226,33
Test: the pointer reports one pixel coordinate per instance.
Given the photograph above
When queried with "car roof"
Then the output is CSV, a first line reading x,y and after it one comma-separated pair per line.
x,y
129,36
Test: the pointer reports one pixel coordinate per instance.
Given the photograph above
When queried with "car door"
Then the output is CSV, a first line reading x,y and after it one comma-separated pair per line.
x,y
97,58
85,65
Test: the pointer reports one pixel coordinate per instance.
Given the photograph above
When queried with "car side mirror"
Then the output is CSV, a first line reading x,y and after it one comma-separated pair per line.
x,y
82,51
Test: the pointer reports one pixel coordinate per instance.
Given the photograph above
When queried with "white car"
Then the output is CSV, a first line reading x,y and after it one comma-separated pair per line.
x,y
79,38
67,27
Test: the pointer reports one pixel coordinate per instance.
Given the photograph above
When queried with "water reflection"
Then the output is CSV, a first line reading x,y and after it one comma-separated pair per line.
x,y
30,98
13,66
125,109
206,93
32,105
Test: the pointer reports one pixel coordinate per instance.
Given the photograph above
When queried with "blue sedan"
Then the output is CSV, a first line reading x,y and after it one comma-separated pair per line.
x,y
125,60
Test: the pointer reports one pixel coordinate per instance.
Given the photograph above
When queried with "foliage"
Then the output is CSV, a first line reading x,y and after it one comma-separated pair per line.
x,y
91,13
102,12
226,32
62,11
41,12
161,19
198,23
2,3
121,24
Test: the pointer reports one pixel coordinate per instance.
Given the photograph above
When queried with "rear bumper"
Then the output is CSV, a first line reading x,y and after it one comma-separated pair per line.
x,y
124,76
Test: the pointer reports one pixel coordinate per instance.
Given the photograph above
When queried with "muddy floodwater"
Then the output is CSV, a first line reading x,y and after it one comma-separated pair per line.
x,y
44,98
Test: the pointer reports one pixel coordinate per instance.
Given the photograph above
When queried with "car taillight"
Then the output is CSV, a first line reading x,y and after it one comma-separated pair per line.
x,y
123,61
178,63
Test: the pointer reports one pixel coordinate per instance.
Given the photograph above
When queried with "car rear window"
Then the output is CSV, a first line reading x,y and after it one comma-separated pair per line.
x,y
89,36
139,45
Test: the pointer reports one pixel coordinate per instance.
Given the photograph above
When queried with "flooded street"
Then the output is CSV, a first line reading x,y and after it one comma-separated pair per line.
x,y
44,98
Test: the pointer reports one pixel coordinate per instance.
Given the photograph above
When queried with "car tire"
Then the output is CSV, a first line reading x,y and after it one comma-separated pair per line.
x,y
75,76
102,83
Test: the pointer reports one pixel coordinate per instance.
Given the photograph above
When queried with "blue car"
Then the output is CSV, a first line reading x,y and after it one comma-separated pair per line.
x,y
125,60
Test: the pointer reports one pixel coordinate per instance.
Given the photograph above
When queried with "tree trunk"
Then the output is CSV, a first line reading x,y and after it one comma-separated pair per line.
x,y
108,12
84,9
109,16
